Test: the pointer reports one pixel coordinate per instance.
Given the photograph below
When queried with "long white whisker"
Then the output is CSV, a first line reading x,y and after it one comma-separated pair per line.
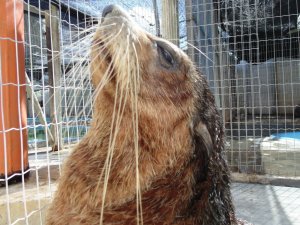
x,y
115,125
136,136
200,52
74,73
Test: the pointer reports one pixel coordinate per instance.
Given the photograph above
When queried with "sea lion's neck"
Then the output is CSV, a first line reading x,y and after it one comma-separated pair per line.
x,y
163,144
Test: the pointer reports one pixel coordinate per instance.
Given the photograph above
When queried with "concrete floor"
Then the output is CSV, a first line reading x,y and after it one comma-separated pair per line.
x,y
256,203
267,204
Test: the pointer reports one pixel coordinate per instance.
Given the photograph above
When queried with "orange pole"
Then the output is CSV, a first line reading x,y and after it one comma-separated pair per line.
x,y
13,117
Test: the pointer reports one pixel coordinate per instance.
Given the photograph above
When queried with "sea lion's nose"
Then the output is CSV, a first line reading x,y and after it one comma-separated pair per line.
x,y
108,9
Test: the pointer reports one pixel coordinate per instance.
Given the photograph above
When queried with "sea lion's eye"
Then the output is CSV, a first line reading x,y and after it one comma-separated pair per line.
x,y
165,57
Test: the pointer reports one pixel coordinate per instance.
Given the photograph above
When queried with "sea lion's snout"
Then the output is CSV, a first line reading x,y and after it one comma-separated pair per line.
x,y
114,11
108,9
118,39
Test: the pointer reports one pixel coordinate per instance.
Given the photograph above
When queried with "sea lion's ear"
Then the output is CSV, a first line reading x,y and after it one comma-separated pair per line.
x,y
202,150
203,141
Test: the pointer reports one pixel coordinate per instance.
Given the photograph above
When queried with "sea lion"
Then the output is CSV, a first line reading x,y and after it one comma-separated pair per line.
x,y
153,154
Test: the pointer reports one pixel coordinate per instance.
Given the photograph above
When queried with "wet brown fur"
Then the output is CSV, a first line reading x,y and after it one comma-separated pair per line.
x,y
184,178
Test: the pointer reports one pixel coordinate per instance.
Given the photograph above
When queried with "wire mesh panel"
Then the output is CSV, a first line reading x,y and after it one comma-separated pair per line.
x,y
56,41
247,49
252,66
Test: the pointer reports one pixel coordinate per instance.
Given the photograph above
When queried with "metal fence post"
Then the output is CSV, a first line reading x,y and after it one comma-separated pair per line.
x,y
54,70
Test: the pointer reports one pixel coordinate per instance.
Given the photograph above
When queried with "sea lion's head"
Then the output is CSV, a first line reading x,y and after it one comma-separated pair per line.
x,y
129,58
128,63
